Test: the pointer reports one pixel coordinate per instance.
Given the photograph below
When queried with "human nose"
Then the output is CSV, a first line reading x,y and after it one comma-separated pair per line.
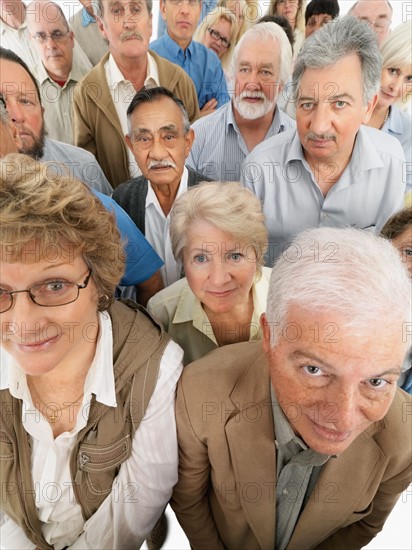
x,y
253,82
130,18
344,402
158,151
219,273
15,111
320,121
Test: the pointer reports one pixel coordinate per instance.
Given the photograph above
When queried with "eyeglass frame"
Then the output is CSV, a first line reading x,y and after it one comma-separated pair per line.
x,y
79,288
191,3
219,38
41,37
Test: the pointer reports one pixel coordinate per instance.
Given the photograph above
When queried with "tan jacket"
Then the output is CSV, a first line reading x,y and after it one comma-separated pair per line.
x,y
96,125
226,493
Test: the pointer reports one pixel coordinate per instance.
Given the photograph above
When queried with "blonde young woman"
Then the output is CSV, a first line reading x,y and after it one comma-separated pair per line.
x,y
246,14
218,32
294,11
218,234
396,90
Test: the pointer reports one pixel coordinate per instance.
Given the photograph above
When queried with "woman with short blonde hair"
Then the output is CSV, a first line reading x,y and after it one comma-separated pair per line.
x,y
218,234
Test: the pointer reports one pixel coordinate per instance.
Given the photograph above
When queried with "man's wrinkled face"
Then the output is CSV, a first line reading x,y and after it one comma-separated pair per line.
x,y
332,382
377,13
159,142
182,17
127,26
23,106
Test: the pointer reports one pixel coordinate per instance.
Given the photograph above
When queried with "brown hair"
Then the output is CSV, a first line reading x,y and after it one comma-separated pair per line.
x,y
397,223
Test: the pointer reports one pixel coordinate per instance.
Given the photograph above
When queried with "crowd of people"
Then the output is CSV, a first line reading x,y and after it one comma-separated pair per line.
x,y
201,236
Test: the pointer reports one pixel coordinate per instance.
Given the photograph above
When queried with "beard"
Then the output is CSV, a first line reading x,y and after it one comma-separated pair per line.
x,y
253,111
35,148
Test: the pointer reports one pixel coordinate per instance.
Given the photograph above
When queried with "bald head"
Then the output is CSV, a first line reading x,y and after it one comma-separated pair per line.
x,y
378,13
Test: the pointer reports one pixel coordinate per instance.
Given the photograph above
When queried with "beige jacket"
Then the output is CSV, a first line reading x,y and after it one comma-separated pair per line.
x,y
226,493
96,124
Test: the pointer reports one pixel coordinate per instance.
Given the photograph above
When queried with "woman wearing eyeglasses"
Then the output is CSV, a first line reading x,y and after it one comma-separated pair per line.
x,y
218,32
87,431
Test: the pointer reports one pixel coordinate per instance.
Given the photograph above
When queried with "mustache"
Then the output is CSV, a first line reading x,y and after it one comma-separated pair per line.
x,y
255,94
126,35
314,136
161,163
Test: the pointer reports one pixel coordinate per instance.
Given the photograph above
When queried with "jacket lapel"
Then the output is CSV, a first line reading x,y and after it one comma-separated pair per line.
x,y
339,490
250,436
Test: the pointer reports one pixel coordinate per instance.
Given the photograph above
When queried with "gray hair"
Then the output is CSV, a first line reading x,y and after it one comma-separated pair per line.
x,y
97,6
265,32
4,115
225,205
333,42
347,272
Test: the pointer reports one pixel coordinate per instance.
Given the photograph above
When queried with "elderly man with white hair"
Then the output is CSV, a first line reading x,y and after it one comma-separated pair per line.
x,y
304,441
262,62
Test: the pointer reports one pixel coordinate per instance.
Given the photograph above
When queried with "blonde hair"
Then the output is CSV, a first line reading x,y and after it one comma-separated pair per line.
x,y
214,17
225,205
250,12
300,14
396,50
60,215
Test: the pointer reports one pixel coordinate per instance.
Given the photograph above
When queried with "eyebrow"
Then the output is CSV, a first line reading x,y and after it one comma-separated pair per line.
x,y
307,355
166,128
330,99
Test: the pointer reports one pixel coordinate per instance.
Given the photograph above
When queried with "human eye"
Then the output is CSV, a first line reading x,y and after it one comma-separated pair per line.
x,y
169,137
408,78
116,9
136,8
340,104
235,256
377,383
392,71
266,72
200,258
312,370
244,70
40,36
407,251
51,287
307,105
57,35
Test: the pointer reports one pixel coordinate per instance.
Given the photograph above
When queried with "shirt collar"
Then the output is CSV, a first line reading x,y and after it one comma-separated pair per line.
x,y
41,74
99,380
116,76
151,195
87,18
173,47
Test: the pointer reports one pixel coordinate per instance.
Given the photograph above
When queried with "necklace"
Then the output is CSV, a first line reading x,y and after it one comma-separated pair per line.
x,y
386,118
54,411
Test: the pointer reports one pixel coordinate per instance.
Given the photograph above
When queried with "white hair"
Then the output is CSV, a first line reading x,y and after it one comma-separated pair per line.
x,y
265,32
351,273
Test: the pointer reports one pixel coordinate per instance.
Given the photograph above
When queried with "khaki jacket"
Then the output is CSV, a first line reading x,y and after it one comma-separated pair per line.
x,y
96,125
226,493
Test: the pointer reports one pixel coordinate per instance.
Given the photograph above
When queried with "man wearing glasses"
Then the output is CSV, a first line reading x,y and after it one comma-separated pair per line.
x,y
377,13
261,64
200,63
56,74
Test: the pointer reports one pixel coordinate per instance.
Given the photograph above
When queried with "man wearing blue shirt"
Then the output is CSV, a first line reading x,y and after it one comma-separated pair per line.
x,y
200,63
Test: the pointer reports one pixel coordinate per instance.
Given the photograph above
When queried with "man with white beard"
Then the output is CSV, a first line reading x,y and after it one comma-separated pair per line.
x,y
262,63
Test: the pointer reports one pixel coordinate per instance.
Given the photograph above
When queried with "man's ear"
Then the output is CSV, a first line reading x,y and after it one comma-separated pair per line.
x,y
369,109
162,8
266,336
128,142
100,25
189,139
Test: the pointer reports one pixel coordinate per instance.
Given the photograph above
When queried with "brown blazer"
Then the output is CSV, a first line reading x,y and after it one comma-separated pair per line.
x,y
96,125
226,493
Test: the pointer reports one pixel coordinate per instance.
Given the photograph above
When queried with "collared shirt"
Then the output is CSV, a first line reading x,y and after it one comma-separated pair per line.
x,y
219,149
58,101
87,18
367,193
201,64
399,125
157,232
18,40
184,319
122,92
298,469
88,35
151,469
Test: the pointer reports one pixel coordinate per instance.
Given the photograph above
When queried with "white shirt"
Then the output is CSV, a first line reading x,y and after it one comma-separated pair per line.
x,y
157,232
122,92
144,483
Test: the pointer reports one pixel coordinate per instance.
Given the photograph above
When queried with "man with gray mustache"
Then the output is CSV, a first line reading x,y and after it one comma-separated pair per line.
x,y
332,170
262,63
159,137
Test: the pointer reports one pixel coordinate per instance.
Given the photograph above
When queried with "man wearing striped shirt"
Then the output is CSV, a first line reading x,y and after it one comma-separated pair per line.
x,y
262,62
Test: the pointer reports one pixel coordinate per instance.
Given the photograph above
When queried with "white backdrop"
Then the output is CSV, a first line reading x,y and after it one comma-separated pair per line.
x,y
397,532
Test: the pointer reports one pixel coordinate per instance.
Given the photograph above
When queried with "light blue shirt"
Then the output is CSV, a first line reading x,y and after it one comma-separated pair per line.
x,y
367,193
200,63
399,125
87,18
219,148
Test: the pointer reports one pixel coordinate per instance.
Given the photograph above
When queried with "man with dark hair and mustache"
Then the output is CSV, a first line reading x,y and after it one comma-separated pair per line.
x,y
261,64
102,98
332,170
160,138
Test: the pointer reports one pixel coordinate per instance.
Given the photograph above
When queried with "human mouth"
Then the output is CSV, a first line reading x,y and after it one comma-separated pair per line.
x,y
334,436
223,294
389,96
161,165
38,346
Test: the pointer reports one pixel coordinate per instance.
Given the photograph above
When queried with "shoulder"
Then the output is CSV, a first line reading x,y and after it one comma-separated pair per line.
x,y
214,376
170,75
196,177
94,76
274,146
384,144
59,151
168,298
129,188
217,117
